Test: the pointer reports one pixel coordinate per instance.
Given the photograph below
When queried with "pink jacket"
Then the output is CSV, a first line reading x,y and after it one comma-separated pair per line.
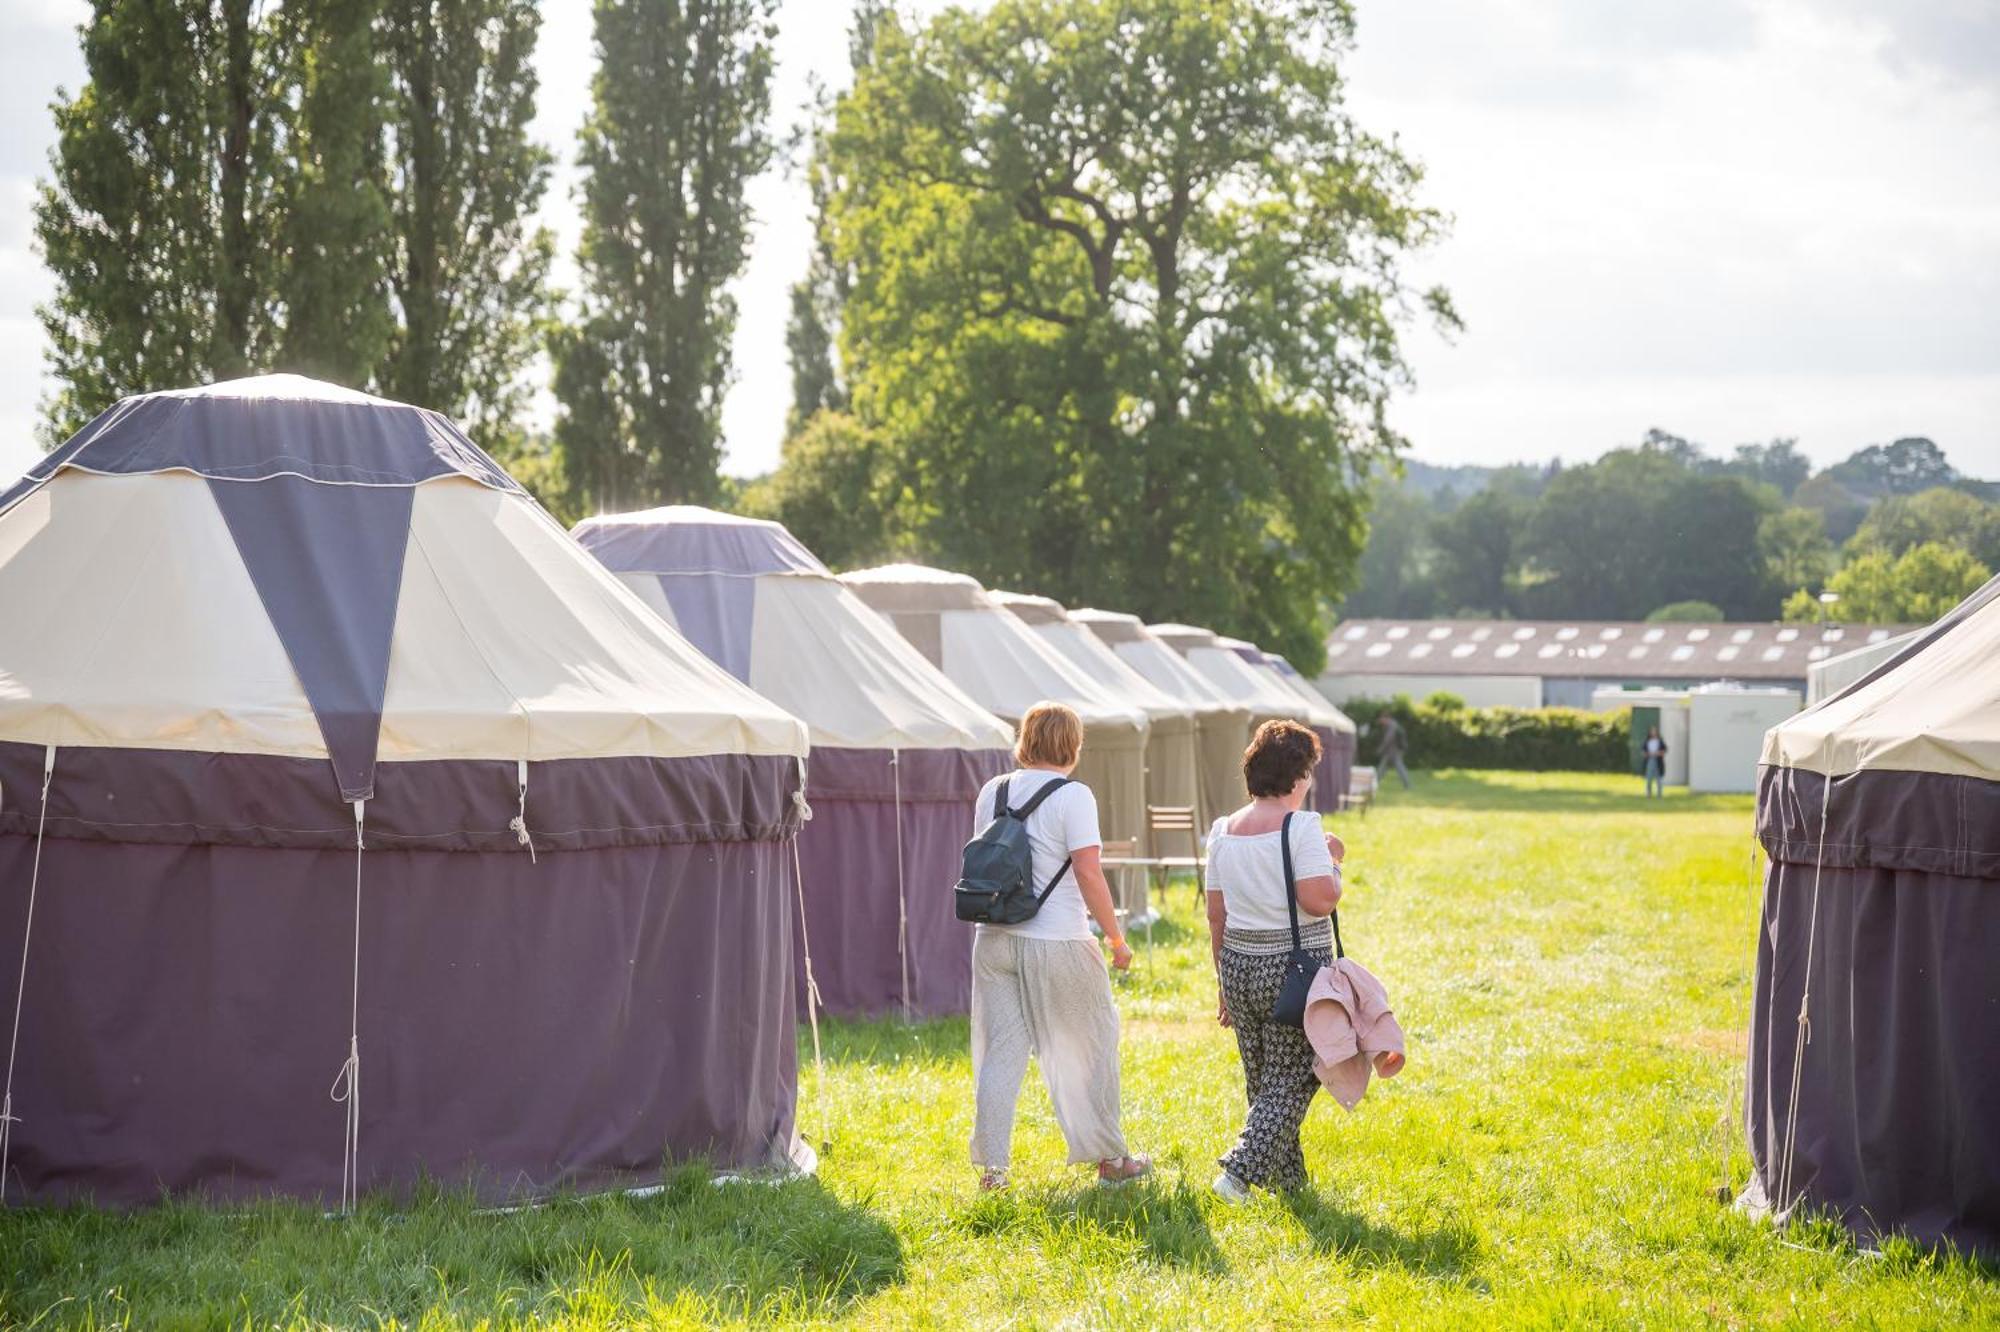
x,y
1348,1023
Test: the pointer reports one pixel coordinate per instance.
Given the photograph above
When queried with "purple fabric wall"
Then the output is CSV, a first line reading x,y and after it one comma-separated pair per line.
x,y
688,545
1335,771
717,613
849,854
523,1026
1898,1125
566,1019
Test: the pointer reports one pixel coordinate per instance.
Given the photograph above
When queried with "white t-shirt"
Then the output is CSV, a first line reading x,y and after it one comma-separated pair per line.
x,y
1064,824
1249,871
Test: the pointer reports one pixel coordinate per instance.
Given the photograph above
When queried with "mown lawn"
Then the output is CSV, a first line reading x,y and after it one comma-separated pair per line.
x,y
1572,966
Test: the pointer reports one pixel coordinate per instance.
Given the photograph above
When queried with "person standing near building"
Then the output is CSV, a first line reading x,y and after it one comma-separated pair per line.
x,y
1655,752
1391,753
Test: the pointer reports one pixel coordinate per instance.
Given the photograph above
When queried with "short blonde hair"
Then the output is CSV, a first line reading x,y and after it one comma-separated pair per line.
x,y
1051,736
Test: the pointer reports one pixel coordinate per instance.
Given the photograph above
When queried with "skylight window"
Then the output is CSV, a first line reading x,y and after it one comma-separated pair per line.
x,y
1464,649
1378,649
1506,649
1697,635
1819,652
1654,635
1742,635
1682,652
1550,650
1728,653
1608,634
1524,633
1636,651
1787,635
1438,632
1480,635
1420,649
1354,631
1567,632
1336,649
1399,631
1833,636
1773,653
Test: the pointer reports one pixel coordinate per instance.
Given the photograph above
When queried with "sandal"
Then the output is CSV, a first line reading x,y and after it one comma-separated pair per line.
x,y
993,1181
1124,1169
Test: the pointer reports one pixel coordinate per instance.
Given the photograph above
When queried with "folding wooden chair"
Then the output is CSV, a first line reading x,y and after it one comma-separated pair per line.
x,y
1176,820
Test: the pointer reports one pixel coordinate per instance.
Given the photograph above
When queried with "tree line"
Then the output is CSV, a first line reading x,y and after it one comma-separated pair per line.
x,y
1105,299
1667,530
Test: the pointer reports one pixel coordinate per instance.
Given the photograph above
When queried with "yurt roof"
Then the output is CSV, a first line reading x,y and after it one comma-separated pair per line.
x,y
1139,648
1083,650
986,650
282,567
687,538
1319,710
1935,707
757,601
1221,662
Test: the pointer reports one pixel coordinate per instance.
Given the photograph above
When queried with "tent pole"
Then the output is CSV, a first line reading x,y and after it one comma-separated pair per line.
x,y
7,1116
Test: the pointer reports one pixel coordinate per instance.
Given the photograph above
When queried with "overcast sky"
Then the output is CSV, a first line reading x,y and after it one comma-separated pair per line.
x,y
1733,219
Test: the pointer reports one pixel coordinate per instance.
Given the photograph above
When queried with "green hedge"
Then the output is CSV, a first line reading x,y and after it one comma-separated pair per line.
x,y
1444,733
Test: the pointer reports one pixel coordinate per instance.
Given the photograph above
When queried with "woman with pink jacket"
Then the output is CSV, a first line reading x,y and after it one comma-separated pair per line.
x,y
1251,939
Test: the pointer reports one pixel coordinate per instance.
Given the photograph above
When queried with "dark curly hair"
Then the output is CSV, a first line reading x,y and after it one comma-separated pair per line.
x,y
1279,755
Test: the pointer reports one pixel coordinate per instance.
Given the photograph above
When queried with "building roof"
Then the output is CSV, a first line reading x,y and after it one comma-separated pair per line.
x,y
1592,649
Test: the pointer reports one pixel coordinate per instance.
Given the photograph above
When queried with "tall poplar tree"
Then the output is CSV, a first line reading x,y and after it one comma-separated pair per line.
x,y
676,131
467,266
163,211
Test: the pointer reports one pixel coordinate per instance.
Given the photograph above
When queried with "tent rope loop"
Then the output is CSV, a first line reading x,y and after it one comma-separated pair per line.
x,y
518,825
1785,1200
902,892
7,1116
347,1086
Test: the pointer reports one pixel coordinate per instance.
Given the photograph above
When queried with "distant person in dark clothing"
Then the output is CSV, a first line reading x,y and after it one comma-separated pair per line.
x,y
1655,750
1391,753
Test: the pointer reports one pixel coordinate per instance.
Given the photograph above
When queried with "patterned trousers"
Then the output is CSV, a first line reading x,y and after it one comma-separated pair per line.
x,y
1278,1073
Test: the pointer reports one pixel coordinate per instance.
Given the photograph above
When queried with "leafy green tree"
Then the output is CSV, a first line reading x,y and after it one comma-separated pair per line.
x,y
1840,509
1905,467
1941,515
1476,546
465,262
1686,612
337,321
1778,464
1794,548
675,133
1803,607
1912,588
834,488
1127,292
1397,575
162,218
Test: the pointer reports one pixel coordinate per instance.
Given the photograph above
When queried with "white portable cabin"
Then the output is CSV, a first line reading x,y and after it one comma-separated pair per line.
x,y
1674,715
1726,726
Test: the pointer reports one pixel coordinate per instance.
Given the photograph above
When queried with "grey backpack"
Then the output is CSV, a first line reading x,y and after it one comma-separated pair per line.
x,y
996,883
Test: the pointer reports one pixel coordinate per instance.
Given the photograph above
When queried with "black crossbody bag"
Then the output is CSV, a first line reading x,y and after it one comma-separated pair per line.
x,y
1300,968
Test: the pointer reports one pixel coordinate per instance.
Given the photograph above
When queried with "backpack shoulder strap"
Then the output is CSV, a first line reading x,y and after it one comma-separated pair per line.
x,y
1035,800
1000,799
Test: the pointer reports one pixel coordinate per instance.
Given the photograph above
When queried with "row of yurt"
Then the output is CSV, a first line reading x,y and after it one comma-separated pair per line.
x,y
1222,725
989,653
1172,760
899,753
1874,1091
328,759
1336,733
1224,664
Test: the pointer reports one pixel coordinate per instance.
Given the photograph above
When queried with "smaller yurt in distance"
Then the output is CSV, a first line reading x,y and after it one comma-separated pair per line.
x,y
1877,993
1172,760
992,656
1336,733
330,760
1222,726
898,751
1233,677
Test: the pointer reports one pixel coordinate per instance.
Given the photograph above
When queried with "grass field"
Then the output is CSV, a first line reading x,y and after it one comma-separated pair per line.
x,y
1573,969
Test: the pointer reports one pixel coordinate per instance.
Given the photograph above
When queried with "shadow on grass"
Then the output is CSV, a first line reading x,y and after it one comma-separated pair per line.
x,y
1446,1253
696,1250
1470,789
1164,1220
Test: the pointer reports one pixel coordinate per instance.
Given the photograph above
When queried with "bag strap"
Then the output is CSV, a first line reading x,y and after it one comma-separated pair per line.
x,y
1292,893
1035,800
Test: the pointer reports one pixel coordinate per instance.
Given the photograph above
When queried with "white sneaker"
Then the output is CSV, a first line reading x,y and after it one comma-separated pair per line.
x,y
1230,1189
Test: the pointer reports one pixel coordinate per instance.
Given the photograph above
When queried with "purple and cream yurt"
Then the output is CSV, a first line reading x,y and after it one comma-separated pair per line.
x,y
329,761
1336,731
1874,1068
1239,676
898,751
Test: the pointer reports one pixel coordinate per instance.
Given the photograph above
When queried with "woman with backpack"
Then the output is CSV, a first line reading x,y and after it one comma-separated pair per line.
x,y
1039,984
